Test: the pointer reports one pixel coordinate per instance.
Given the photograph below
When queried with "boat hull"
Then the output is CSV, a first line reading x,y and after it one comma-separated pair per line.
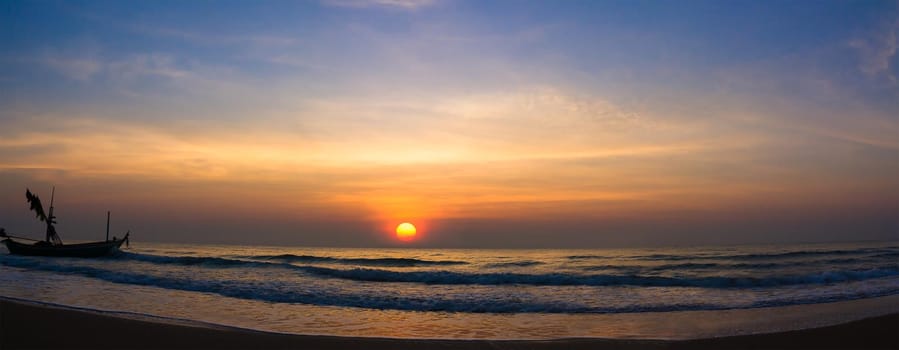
x,y
81,250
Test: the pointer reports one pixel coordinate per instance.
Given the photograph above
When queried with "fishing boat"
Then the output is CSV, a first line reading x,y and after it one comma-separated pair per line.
x,y
52,245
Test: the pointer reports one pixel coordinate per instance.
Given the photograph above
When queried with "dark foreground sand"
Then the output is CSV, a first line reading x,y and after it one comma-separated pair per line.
x,y
25,325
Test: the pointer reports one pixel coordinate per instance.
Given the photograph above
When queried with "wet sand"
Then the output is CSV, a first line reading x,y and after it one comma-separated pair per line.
x,y
36,326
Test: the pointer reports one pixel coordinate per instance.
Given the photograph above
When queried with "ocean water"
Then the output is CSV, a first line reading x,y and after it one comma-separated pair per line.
x,y
444,293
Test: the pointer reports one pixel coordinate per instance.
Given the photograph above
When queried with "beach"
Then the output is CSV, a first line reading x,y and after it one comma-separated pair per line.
x,y
26,325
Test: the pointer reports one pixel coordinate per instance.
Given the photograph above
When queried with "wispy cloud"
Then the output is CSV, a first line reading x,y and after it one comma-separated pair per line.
x,y
547,103
404,4
529,119
146,74
877,50
262,40
195,37
81,63
77,69
87,67
295,61
141,65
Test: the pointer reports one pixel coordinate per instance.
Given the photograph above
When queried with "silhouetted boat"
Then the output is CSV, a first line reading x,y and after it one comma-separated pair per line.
x,y
81,250
52,245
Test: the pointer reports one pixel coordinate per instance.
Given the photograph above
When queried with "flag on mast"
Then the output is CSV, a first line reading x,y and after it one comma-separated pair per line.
x,y
38,208
36,205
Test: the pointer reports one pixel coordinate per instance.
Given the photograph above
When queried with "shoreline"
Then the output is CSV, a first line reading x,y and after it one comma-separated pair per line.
x,y
27,325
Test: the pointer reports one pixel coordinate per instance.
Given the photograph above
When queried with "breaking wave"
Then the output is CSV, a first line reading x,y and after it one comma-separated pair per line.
x,y
564,279
281,292
281,260
506,278
394,262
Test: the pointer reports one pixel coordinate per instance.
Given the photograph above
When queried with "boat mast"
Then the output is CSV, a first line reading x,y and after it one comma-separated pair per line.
x,y
107,226
50,216
52,237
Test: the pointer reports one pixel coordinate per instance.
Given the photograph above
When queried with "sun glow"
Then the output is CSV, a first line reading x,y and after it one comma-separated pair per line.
x,y
405,231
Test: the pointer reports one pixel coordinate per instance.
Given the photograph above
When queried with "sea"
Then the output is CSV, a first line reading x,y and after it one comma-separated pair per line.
x,y
660,293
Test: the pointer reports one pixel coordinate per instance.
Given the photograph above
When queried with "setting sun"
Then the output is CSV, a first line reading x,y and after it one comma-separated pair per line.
x,y
405,231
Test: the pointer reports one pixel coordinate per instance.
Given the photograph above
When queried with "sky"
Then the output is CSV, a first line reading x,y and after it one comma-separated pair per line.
x,y
490,124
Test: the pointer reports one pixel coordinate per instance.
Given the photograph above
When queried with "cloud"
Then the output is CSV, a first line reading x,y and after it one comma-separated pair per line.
x,y
150,64
531,152
92,67
551,104
876,52
251,39
161,76
76,69
295,61
439,128
216,39
404,4
81,63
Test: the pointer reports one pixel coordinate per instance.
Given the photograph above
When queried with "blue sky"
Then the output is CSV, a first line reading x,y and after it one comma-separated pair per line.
x,y
670,121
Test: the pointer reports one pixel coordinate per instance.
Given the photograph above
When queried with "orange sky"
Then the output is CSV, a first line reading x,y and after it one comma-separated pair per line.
x,y
481,133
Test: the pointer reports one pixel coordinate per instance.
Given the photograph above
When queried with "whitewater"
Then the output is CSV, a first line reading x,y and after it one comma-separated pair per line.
x,y
466,293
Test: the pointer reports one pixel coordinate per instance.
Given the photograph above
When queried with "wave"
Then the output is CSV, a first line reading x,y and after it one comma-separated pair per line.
x,y
877,252
392,262
563,279
744,266
279,292
886,255
523,263
183,260
762,256
635,276
283,260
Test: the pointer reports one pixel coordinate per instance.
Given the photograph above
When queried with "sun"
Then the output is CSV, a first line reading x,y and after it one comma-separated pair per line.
x,y
405,231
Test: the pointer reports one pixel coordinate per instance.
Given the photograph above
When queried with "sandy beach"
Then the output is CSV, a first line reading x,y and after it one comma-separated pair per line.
x,y
36,326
